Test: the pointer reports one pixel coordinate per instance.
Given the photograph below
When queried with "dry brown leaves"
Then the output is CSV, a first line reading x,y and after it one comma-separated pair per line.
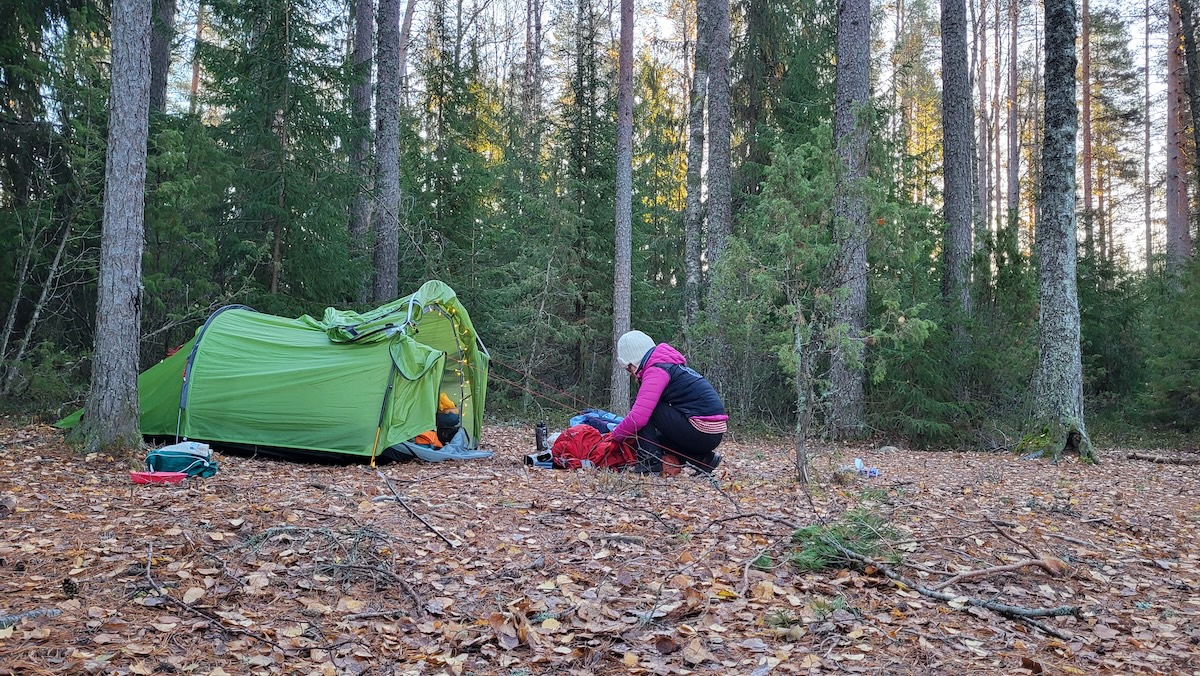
x,y
282,568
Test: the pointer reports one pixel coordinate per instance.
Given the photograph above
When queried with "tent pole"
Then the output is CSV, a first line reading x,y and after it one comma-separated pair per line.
x,y
387,393
376,446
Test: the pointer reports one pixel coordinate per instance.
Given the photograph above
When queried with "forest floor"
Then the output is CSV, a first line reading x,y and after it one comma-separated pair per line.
x,y
487,567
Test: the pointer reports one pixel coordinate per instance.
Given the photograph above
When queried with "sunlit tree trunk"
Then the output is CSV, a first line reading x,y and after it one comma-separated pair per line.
x,y
194,92
851,98
1058,398
1179,246
622,257
111,420
956,155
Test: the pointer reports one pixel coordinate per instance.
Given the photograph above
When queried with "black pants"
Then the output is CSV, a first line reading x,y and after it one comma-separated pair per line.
x,y
670,431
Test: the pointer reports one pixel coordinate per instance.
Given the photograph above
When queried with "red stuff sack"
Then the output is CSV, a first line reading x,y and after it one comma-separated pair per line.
x,y
583,447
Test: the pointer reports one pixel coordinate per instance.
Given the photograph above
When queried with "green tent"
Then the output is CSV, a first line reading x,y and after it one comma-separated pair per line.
x,y
345,384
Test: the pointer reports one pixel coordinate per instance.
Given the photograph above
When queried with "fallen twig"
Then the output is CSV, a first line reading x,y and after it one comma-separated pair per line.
x,y
393,614
1013,612
1006,536
629,539
996,570
162,593
7,621
1162,460
1072,540
749,515
410,510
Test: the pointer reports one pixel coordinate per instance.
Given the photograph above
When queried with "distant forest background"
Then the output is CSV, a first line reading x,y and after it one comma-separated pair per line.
x,y
313,153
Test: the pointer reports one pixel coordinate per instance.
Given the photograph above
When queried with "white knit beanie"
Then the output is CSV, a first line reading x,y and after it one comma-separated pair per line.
x,y
632,346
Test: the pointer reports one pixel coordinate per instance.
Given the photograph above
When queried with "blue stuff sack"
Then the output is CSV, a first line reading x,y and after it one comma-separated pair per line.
x,y
191,457
600,419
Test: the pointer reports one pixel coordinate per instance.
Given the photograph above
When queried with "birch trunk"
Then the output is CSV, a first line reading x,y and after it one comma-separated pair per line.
x,y
14,365
720,169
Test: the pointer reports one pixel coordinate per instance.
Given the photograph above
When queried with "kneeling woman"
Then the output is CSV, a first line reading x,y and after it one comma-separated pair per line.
x,y
676,411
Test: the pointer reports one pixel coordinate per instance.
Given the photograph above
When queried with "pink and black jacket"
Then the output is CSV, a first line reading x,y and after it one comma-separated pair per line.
x,y
665,378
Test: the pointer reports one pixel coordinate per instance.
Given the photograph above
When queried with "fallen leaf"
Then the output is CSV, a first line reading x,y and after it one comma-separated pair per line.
x,y
192,595
694,652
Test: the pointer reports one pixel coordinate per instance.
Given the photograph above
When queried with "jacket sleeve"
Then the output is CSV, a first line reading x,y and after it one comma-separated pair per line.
x,y
654,381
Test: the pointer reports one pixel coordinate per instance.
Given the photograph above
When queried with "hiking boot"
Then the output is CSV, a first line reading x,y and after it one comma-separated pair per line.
x,y
708,464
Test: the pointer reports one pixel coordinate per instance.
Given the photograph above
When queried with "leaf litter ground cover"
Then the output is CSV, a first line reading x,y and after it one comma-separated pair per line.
x,y
487,567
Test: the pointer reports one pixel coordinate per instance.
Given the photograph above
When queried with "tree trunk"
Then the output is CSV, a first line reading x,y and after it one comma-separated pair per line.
x,y
112,414
1014,147
1147,190
956,155
1058,404
983,167
405,29
851,99
694,210
622,257
1192,67
997,195
720,174
387,154
1179,246
1085,95
193,98
720,196
360,144
161,36
532,76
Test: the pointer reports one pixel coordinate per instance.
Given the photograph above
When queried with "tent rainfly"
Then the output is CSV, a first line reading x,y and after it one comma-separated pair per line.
x,y
348,385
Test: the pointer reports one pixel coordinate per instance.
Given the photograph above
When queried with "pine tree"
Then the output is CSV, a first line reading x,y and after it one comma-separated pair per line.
x,y
623,246
112,415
